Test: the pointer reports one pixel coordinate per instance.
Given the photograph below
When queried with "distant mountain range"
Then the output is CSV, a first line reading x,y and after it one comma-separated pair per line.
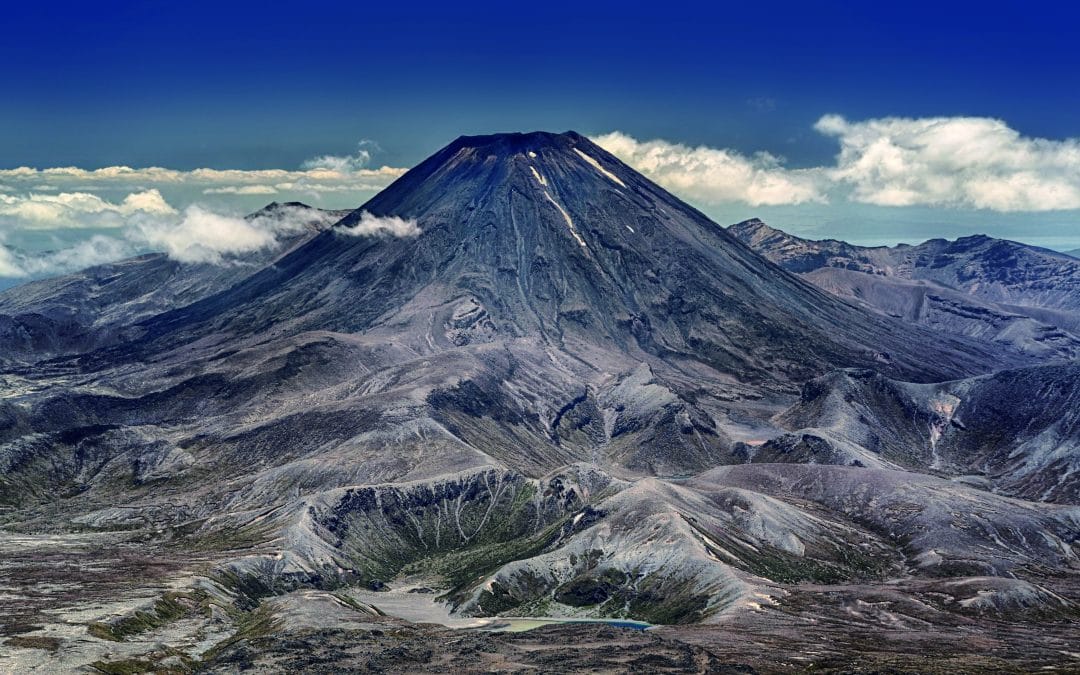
x,y
560,391
79,312
992,289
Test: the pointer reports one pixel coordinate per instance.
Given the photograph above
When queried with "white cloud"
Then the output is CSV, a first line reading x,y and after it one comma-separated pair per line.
x,y
370,224
96,250
9,263
77,210
143,222
972,162
713,175
344,176
202,236
961,162
344,164
242,190
129,204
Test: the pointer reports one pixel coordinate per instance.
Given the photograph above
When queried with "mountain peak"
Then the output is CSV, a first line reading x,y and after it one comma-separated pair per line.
x,y
279,207
532,145
749,226
551,169
520,139
754,232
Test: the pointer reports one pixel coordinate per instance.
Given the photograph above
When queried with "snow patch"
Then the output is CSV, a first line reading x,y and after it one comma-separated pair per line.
x,y
596,165
539,179
569,221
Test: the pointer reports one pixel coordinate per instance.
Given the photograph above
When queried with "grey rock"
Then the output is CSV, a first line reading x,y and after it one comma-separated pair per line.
x,y
1001,291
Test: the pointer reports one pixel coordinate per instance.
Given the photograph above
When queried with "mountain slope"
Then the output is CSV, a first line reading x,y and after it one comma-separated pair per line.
x,y
1016,431
550,236
990,289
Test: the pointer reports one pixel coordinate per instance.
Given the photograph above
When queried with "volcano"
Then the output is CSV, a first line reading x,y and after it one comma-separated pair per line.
x,y
549,236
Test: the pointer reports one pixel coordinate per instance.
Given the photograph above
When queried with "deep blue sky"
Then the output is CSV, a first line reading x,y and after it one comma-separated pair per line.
x,y
251,85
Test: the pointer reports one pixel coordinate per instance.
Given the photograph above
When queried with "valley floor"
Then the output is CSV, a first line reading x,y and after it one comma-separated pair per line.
x,y
57,590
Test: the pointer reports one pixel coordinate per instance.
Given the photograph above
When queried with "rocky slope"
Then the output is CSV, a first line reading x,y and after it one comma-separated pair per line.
x,y
1017,431
991,289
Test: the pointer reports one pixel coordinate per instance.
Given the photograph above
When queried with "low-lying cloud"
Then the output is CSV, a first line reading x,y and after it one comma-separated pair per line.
x,y
113,212
96,250
712,175
973,162
10,264
327,174
371,224
193,235
954,162
201,236
77,210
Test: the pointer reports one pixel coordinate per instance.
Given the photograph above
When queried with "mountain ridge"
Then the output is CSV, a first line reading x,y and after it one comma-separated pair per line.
x,y
991,289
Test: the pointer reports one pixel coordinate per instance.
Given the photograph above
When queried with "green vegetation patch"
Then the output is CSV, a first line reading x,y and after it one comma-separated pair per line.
x,y
464,567
252,624
170,607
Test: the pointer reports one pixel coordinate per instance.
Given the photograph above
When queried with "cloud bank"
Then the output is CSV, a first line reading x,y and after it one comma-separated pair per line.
x,y
96,250
201,236
323,174
123,210
194,235
972,162
77,210
143,222
955,162
712,175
